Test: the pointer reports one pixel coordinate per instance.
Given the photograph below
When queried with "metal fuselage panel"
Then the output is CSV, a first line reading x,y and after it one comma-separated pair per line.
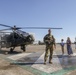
x,y
3,40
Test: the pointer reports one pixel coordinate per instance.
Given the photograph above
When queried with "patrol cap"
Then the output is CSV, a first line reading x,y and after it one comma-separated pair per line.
x,y
49,30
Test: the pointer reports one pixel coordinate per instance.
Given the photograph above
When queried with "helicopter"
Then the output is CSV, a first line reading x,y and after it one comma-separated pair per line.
x,y
17,37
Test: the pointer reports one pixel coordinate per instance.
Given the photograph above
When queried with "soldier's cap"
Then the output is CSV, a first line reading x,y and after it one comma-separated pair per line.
x,y
49,30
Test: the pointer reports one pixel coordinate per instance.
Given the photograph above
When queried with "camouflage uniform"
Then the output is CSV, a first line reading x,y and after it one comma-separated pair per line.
x,y
49,41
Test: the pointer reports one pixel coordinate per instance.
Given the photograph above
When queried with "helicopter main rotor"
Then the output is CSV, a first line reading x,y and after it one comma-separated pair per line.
x,y
16,28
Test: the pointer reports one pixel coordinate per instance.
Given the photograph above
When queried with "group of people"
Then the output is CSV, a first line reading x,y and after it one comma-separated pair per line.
x,y
69,48
49,41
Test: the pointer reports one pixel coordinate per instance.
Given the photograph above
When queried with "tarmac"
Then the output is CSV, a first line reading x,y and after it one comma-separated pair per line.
x,y
33,60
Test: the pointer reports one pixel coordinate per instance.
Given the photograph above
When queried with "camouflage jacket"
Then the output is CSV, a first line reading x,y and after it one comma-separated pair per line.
x,y
49,40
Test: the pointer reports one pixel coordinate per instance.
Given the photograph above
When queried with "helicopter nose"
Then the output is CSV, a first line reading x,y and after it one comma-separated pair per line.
x,y
31,38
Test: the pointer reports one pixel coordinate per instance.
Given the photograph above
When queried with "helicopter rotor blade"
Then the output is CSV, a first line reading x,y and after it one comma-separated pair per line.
x,y
16,28
5,25
4,32
5,29
38,28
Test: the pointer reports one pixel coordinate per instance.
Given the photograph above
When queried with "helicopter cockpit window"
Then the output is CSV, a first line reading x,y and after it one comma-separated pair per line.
x,y
22,33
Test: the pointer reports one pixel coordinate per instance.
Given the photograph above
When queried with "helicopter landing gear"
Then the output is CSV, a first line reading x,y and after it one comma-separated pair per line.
x,y
23,47
11,50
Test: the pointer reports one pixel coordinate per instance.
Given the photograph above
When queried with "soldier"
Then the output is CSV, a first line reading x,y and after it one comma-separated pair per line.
x,y
49,40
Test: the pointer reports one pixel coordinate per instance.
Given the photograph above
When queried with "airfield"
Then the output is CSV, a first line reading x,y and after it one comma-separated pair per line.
x,y
31,62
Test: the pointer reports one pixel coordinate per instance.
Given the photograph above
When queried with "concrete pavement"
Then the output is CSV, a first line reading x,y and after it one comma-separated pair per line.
x,y
33,62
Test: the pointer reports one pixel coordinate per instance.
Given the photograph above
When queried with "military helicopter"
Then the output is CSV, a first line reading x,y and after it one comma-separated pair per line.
x,y
17,37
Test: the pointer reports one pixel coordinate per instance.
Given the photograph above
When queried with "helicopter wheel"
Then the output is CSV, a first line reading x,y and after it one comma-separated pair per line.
x,y
23,48
11,50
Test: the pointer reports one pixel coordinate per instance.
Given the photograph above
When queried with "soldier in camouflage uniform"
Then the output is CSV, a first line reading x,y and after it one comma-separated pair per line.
x,y
49,40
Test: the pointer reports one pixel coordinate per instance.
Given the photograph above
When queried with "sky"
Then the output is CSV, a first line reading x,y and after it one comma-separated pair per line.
x,y
41,13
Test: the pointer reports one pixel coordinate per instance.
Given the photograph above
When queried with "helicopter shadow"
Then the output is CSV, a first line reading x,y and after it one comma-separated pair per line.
x,y
6,52
17,63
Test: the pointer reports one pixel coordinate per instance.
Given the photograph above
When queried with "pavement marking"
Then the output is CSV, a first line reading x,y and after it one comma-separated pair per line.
x,y
48,68
18,56
74,54
39,64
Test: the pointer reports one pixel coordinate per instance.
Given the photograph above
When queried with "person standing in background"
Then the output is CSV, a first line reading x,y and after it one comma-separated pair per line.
x,y
69,48
62,46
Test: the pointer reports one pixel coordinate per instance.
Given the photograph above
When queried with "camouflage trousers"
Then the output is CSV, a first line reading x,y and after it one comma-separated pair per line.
x,y
47,50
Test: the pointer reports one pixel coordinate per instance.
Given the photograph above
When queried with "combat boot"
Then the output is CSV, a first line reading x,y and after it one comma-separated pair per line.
x,y
50,62
44,63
